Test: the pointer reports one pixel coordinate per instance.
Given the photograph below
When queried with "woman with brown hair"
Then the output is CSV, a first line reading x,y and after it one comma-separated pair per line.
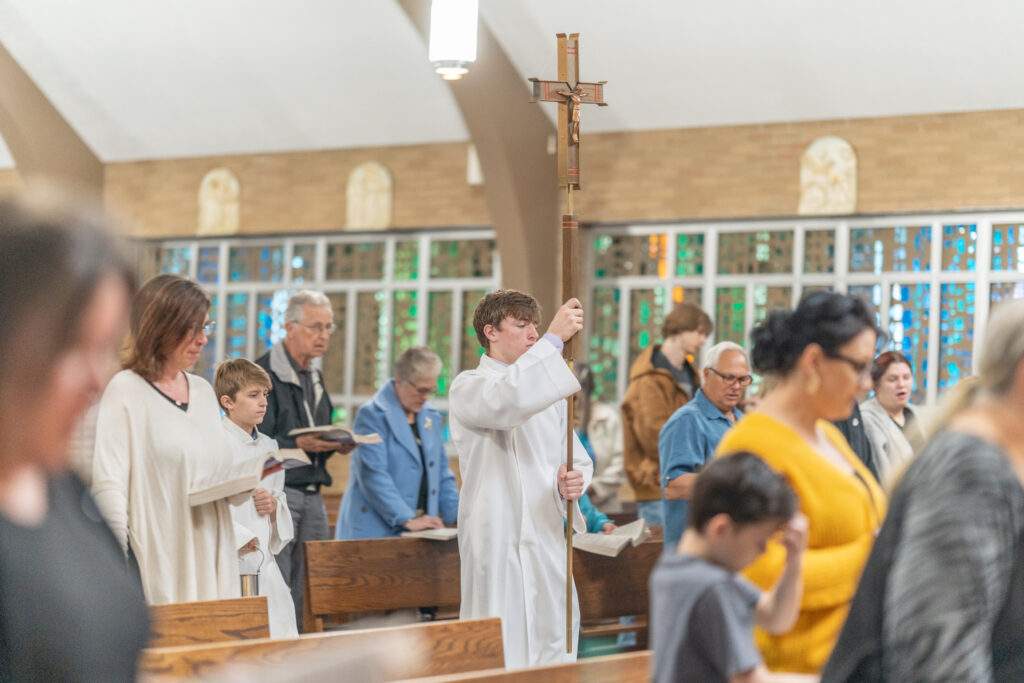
x,y
160,442
70,608
890,421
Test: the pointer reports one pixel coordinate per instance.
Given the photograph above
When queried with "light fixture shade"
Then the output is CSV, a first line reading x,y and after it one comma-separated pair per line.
x,y
453,26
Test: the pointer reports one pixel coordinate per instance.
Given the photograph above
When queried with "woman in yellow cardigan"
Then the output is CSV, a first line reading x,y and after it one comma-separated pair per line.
x,y
819,357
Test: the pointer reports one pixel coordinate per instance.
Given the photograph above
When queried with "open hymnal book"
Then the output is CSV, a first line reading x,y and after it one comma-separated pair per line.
x,y
445,534
612,544
245,475
336,433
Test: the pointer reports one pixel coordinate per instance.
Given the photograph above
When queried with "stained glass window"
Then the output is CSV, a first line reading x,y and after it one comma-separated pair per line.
x,y
208,268
959,247
237,329
730,320
1008,247
371,328
404,327
355,261
207,365
407,260
270,308
871,295
461,258
176,260
439,336
647,313
908,330
256,263
956,332
620,255
819,251
689,254
471,349
303,262
334,359
767,299
763,251
603,341
690,295
899,249
1005,291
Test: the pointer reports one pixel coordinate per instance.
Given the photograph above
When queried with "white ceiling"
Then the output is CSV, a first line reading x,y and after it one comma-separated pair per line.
x,y
142,79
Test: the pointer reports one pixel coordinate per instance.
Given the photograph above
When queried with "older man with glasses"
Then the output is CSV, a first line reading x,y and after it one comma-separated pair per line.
x,y
689,438
403,483
298,399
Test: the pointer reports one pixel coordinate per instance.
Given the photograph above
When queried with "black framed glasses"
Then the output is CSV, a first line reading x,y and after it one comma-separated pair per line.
x,y
863,369
742,380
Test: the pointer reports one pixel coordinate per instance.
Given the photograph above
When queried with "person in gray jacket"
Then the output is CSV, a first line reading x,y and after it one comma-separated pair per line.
x,y
890,421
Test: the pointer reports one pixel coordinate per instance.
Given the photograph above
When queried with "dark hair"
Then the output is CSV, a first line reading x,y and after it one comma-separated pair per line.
x,y
501,304
52,258
742,486
881,364
165,312
827,319
686,317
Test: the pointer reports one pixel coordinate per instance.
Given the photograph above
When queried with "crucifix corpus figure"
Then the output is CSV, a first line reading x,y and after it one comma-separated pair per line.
x,y
571,94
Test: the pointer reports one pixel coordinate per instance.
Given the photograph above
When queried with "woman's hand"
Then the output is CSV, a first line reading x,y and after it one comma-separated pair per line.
x,y
424,522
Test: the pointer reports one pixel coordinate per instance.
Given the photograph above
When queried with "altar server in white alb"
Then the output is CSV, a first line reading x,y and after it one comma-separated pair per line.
x,y
508,425
263,523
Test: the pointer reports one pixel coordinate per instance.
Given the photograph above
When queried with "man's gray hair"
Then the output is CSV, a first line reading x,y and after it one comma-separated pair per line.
x,y
716,351
419,362
305,297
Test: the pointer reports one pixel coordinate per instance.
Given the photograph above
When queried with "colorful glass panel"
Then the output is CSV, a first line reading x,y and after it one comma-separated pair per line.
x,y
689,254
405,326
261,263
956,332
471,350
1005,291
646,315
959,247
237,333
908,330
176,260
355,261
439,335
334,359
690,295
407,260
207,364
371,330
901,249
819,251
270,308
763,251
603,342
730,316
1008,247
767,299
627,255
303,262
871,295
461,258
208,268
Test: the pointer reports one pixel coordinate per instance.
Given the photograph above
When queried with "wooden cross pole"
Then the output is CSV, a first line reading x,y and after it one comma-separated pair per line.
x,y
570,94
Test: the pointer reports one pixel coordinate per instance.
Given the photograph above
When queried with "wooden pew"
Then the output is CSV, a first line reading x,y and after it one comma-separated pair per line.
x,y
445,647
345,577
208,621
632,667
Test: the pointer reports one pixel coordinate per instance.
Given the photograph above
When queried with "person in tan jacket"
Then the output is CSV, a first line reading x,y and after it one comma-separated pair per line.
x,y
662,379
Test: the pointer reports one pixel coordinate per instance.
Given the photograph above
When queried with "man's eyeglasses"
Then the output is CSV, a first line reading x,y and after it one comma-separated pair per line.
x,y
742,380
319,328
861,368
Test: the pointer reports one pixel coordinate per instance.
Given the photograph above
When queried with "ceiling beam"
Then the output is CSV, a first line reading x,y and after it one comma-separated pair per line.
x,y
45,148
520,182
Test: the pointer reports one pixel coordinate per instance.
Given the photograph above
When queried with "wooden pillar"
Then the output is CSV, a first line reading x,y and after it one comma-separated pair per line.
x,y
44,146
520,180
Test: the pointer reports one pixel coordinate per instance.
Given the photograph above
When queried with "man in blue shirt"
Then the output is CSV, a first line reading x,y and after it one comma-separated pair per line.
x,y
689,438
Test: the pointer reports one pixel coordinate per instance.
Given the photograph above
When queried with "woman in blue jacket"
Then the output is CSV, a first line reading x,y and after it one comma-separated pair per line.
x,y
403,483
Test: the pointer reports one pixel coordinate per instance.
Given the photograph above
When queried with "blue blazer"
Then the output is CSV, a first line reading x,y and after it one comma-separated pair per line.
x,y
384,479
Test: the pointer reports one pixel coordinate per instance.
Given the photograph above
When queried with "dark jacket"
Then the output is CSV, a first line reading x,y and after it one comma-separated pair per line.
x,y
853,429
286,411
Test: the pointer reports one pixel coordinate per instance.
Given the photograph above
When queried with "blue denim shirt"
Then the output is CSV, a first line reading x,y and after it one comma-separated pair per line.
x,y
687,441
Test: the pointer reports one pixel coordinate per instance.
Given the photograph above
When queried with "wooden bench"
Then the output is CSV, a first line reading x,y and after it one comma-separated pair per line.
x,y
633,667
208,621
442,647
345,577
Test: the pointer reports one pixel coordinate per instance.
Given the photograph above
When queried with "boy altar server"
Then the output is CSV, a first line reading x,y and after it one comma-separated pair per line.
x,y
508,425
263,521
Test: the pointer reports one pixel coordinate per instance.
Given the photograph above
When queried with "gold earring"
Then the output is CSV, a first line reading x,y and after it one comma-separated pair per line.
x,y
813,384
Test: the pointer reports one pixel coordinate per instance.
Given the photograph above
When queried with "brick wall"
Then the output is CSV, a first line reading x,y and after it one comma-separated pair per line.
x,y
914,163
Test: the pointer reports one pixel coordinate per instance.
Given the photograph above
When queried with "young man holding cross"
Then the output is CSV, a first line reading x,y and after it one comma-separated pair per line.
x,y
508,425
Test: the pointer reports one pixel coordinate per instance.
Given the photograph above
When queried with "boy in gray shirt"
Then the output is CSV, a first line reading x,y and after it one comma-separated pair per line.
x,y
703,612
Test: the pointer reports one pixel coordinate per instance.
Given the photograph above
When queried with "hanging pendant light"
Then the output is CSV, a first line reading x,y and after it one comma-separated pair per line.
x,y
453,25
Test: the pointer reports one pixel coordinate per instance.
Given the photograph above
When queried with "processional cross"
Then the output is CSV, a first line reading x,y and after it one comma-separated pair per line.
x,y
570,93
